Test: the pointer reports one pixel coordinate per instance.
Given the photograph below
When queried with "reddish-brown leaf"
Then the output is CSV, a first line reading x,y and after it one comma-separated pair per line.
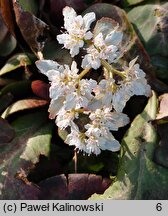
x,y
8,15
75,186
23,190
54,188
40,89
82,186
33,29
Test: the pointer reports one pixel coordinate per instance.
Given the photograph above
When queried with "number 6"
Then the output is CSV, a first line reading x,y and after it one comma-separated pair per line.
x,y
159,207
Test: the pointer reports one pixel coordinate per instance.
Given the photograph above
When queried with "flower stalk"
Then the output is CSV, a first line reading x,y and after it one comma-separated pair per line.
x,y
112,70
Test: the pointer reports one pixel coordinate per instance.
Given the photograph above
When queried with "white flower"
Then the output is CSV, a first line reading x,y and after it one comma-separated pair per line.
x,y
62,78
101,104
92,59
62,83
98,131
86,87
77,30
104,47
77,139
136,80
96,144
75,100
120,98
66,118
97,136
93,146
134,84
103,91
81,97
104,119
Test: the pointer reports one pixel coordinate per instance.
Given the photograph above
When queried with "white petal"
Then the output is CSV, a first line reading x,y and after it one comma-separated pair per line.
x,y
78,21
69,16
140,87
88,35
53,75
55,106
75,49
69,12
74,139
70,102
109,143
65,119
94,104
92,146
90,61
95,64
45,65
120,98
117,120
132,63
74,68
114,38
63,38
88,19
85,63
99,41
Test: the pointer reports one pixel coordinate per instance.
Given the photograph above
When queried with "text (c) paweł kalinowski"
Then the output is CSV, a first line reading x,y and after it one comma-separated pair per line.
x,y
24,207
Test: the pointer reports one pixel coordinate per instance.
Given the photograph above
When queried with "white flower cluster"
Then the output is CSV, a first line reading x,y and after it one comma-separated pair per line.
x,y
100,102
77,30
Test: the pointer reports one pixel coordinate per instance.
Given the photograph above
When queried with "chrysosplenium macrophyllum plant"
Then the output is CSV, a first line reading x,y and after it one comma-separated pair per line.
x,y
100,101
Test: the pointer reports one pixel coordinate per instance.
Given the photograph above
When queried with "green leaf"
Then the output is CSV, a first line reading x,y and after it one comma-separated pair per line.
x,y
23,105
53,51
160,64
161,122
150,21
30,6
16,61
5,81
161,153
139,177
38,145
127,3
7,45
7,132
19,89
33,138
5,101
